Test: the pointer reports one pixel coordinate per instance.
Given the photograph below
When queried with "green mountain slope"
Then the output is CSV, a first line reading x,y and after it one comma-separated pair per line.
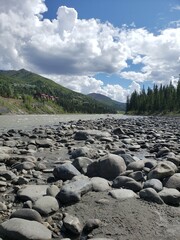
x,y
37,92
108,101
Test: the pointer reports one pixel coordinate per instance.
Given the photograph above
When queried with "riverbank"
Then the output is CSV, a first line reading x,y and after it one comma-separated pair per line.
x,y
89,179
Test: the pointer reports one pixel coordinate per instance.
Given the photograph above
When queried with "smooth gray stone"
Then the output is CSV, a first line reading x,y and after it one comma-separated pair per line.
x,y
73,191
21,229
65,172
127,182
154,183
122,194
108,167
136,166
170,196
72,224
173,181
149,194
32,192
46,205
28,214
162,170
100,184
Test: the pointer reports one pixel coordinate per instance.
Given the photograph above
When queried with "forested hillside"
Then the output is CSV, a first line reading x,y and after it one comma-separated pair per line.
x,y
119,106
36,92
161,99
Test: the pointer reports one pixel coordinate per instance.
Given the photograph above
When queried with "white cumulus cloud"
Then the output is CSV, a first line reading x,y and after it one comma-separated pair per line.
x,y
72,50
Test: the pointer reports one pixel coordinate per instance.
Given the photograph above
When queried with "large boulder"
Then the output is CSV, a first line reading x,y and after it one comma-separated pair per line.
x,y
173,181
127,182
162,170
72,192
149,194
170,196
65,172
108,167
16,229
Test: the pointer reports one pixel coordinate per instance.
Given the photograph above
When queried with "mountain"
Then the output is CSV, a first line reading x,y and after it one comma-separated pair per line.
x,y
36,94
119,106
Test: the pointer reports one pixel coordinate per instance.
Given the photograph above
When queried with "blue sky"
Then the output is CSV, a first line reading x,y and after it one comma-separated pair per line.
x,y
107,46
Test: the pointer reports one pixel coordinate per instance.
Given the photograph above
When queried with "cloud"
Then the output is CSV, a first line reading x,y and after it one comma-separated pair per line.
x,y
88,84
73,50
177,8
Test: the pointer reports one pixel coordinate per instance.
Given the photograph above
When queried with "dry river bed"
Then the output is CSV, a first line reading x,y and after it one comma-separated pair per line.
x,y
116,179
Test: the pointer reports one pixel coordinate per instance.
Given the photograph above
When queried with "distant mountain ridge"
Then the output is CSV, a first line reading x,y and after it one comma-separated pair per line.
x,y
38,93
119,106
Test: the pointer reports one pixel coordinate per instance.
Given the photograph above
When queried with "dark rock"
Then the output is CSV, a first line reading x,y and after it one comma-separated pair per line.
x,y
127,182
149,194
91,224
65,172
127,158
108,167
173,181
170,196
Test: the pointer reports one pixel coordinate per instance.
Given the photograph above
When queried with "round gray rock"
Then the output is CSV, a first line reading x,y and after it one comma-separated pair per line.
x,y
100,184
108,167
149,194
65,172
170,196
46,205
154,183
28,214
16,229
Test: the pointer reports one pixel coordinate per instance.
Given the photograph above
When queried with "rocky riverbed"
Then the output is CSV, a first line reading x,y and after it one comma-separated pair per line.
x,y
115,179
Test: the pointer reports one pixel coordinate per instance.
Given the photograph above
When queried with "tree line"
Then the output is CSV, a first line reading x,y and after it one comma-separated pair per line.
x,y
161,99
